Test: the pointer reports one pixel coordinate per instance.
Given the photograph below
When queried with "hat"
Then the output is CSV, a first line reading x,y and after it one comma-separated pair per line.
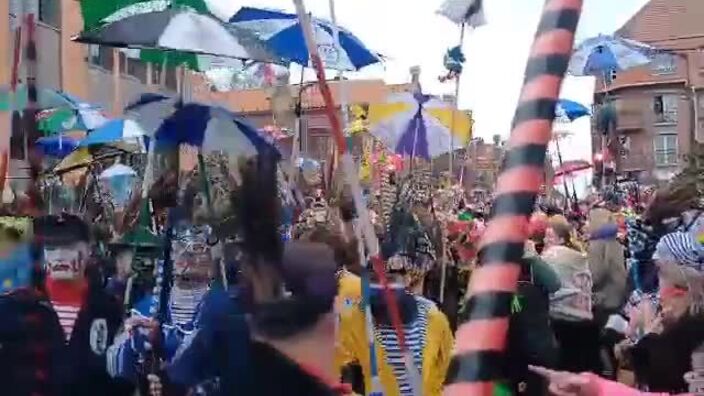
x,y
61,230
680,248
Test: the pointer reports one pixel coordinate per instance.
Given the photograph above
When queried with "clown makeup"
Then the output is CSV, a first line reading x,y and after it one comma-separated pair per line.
x,y
191,254
65,262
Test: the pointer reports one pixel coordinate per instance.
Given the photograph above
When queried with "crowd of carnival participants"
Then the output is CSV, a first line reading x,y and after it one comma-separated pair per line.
x,y
246,283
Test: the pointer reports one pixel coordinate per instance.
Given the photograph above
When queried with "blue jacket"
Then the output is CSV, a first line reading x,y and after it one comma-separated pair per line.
x,y
199,354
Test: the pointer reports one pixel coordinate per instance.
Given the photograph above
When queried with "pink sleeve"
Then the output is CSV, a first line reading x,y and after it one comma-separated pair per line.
x,y
611,388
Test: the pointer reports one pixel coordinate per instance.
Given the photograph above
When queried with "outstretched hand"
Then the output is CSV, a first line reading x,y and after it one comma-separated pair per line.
x,y
563,383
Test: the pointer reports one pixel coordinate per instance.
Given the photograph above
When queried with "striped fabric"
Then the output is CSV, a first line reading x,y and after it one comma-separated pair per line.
x,y
183,304
67,317
415,338
680,248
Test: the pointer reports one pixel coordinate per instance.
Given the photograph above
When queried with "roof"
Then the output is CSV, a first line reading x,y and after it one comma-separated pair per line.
x,y
668,24
257,100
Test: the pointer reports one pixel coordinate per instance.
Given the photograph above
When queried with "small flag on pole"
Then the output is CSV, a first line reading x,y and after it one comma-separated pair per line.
x,y
469,12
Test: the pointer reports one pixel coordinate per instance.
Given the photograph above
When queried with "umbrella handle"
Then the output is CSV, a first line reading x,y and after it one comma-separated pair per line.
x,y
476,368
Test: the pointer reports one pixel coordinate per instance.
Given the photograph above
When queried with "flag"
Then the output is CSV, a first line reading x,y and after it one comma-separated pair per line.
x,y
469,12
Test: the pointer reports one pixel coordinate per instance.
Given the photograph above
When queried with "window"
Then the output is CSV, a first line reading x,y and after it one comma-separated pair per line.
x,y
665,108
664,64
610,77
50,12
666,151
131,65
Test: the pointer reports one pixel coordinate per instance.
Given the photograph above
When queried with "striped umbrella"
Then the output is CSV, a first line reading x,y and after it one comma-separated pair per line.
x,y
282,32
178,29
477,367
419,125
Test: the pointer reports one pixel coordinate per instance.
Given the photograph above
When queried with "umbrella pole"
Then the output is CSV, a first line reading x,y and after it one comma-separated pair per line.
x,y
455,110
564,180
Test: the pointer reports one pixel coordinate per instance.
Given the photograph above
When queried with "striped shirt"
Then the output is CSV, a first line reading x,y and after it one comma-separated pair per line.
x,y
67,317
183,304
415,333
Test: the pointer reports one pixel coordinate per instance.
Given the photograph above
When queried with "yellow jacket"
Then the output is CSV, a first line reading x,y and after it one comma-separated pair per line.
x,y
438,343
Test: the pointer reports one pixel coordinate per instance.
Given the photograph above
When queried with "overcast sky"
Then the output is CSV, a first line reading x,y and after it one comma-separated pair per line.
x,y
409,33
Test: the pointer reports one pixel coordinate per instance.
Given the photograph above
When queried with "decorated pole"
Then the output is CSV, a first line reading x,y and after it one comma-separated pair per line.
x,y
476,368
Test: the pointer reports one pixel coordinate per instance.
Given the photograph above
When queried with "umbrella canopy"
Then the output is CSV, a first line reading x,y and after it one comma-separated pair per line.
x,y
569,167
213,129
567,111
115,131
418,125
58,146
117,170
179,29
282,33
469,12
601,54
150,110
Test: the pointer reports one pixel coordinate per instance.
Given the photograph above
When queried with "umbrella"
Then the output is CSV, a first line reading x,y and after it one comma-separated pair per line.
x,y
119,181
117,170
418,125
213,129
82,158
601,54
470,12
282,33
567,111
179,29
150,110
58,146
572,166
115,131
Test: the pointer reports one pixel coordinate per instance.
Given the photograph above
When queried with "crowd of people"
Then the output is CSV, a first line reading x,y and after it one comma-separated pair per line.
x,y
285,300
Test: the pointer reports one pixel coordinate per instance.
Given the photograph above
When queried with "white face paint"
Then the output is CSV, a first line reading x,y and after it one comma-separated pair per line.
x,y
65,262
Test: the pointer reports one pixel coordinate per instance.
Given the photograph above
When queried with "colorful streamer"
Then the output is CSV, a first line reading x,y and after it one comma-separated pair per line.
x,y
476,368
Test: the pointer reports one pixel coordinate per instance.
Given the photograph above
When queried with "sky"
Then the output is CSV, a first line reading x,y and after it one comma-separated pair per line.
x,y
408,33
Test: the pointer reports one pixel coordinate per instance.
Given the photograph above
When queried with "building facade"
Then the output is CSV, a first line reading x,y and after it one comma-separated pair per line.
x,y
659,108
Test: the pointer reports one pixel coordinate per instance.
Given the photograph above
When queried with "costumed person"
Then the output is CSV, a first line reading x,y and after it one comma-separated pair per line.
x,y
425,328
191,323
28,321
201,330
571,306
530,338
665,338
89,317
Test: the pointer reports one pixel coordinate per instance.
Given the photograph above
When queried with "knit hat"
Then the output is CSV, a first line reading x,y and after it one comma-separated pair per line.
x,y
680,248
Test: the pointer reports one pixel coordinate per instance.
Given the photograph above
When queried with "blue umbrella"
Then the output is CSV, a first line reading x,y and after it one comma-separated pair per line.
x,y
115,131
282,33
567,111
58,146
213,129
602,54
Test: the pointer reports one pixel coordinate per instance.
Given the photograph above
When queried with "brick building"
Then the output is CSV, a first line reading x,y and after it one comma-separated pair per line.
x,y
659,107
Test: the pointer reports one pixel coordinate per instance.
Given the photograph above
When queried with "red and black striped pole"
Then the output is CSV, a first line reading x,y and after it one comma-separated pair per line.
x,y
477,365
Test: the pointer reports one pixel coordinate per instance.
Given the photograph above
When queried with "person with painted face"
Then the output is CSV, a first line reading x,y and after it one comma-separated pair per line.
x,y
28,321
201,331
89,318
